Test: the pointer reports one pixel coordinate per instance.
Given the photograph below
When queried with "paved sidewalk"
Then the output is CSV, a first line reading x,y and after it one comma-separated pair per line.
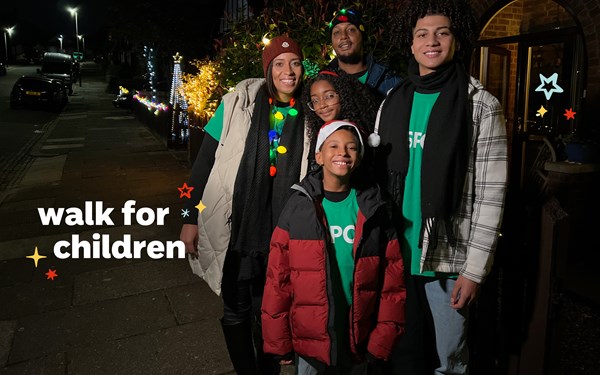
x,y
101,316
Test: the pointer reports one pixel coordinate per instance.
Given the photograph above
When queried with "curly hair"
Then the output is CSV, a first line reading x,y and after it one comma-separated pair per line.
x,y
462,22
357,103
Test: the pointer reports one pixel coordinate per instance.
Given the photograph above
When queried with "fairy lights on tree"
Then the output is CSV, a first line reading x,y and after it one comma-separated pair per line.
x,y
179,121
150,56
201,89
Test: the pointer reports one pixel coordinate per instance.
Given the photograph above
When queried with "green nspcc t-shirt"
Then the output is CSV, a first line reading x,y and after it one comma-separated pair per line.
x,y
341,217
411,203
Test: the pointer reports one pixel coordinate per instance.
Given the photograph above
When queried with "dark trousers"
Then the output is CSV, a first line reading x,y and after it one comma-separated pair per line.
x,y
241,301
414,353
242,327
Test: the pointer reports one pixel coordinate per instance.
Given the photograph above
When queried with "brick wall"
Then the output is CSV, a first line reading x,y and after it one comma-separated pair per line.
x,y
508,23
542,15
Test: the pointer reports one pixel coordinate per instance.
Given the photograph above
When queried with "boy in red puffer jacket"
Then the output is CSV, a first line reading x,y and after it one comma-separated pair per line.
x,y
334,293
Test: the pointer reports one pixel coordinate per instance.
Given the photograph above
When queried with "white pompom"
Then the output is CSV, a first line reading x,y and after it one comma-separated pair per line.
x,y
374,140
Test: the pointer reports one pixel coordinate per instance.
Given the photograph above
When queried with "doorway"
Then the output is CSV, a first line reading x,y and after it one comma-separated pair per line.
x,y
530,56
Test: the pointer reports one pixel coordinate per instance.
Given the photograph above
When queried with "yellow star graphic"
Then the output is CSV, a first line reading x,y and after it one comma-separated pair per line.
x,y
36,257
542,111
200,207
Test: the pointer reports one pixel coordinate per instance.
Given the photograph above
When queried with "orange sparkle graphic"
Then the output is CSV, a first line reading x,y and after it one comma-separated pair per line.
x,y
51,274
569,114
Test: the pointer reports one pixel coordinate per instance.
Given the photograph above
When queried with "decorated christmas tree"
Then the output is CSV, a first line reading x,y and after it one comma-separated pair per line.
x,y
179,121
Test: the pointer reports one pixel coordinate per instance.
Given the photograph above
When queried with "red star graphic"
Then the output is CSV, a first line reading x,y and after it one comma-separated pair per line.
x,y
51,274
569,114
185,191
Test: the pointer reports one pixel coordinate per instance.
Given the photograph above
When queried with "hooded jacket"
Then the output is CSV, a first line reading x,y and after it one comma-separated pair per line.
x,y
298,308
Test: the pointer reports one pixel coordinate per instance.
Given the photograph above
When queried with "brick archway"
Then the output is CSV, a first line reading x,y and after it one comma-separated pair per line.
x,y
587,15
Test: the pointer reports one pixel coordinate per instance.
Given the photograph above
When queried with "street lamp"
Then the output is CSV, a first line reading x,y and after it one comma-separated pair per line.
x,y
82,44
60,39
9,31
73,12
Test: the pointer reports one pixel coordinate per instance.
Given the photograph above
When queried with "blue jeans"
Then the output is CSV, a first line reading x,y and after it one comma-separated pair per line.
x,y
450,327
305,368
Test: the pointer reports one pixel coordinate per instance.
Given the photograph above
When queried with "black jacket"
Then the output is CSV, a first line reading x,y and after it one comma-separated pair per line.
x,y
381,78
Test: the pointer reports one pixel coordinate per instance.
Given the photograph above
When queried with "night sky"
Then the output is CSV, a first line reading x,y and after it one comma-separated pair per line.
x,y
40,20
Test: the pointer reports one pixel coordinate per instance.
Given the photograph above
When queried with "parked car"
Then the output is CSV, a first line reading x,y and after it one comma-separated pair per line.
x,y
39,91
60,66
2,69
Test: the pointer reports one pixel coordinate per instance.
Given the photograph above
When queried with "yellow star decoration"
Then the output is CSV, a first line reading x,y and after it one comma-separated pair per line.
x,y
200,207
36,257
542,111
177,58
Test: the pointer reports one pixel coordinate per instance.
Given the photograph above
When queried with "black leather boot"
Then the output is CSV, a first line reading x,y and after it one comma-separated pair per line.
x,y
238,338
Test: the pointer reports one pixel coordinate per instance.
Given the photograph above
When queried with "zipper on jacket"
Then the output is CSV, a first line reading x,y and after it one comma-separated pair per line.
x,y
330,317
358,248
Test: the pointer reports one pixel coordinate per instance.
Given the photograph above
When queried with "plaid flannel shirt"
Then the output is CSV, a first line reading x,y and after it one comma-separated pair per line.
x,y
477,223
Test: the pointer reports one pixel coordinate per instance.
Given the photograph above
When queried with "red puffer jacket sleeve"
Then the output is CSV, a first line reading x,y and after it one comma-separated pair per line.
x,y
277,298
390,318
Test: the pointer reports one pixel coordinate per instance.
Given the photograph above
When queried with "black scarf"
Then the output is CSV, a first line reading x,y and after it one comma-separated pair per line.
x,y
444,164
258,198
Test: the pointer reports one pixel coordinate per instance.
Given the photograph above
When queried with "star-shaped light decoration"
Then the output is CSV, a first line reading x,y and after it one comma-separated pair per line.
x,y
185,191
177,58
569,114
36,257
185,213
200,207
555,88
542,111
51,274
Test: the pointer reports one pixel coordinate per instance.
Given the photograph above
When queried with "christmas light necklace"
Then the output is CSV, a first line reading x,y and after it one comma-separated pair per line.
x,y
275,134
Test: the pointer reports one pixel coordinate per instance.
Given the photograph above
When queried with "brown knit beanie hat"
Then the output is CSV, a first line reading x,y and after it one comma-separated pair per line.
x,y
277,46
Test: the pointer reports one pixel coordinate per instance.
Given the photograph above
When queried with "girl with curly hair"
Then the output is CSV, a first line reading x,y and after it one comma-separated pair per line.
x,y
340,96
337,96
